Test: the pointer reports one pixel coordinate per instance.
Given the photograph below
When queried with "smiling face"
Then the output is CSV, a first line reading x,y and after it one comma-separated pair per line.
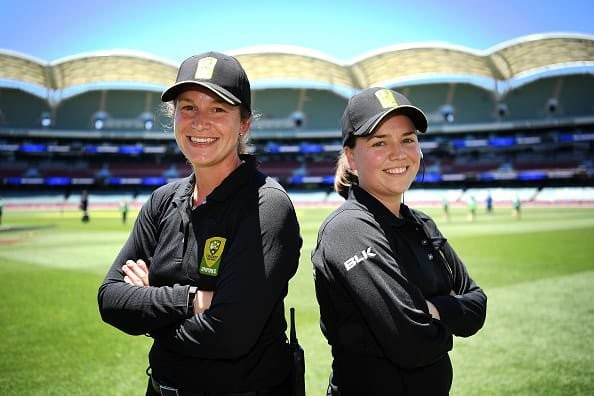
x,y
387,161
207,130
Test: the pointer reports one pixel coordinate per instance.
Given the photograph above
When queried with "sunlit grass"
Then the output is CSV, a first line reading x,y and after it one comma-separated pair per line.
x,y
538,273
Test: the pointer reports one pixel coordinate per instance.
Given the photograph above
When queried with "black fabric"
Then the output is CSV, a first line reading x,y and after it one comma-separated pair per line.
x,y
239,343
220,73
154,389
371,376
369,107
374,273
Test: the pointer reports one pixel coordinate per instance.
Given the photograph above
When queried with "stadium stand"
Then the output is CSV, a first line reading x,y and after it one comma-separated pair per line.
x,y
500,120
19,109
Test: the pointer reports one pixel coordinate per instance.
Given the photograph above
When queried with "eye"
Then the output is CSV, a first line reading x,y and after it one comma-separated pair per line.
x,y
378,143
187,109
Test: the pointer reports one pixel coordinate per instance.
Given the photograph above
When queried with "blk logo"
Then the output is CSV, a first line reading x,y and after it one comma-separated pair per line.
x,y
357,258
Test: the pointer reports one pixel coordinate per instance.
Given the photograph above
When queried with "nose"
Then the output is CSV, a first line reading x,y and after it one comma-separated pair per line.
x,y
197,121
398,151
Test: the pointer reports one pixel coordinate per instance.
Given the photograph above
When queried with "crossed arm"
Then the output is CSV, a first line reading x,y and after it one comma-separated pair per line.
x,y
136,273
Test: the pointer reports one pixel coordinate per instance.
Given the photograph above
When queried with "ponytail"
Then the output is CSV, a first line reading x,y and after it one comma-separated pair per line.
x,y
344,177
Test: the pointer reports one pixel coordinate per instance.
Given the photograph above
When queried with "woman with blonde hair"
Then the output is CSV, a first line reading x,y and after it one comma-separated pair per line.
x,y
206,268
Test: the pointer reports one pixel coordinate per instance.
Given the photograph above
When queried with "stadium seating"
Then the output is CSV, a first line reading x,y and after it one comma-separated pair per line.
x,y
544,138
19,109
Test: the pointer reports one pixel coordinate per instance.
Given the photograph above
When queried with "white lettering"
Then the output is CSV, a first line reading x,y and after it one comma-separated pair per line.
x,y
352,261
206,270
367,253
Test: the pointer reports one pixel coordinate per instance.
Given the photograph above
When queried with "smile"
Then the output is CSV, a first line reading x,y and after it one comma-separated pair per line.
x,y
396,171
202,140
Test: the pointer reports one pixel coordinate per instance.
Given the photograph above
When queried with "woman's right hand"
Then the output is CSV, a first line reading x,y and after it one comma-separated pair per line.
x,y
432,310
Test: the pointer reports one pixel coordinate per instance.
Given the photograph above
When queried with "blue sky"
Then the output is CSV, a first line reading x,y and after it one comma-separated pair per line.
x,y
341,29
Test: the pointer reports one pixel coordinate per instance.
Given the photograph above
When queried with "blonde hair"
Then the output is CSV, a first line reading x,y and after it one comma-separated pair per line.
x,y
344,176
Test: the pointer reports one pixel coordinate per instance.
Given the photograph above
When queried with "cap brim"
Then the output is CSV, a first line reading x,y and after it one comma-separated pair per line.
x,y
414,113
172,92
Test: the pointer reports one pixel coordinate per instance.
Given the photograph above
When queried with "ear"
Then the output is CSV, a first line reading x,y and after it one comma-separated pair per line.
x,y
244,126
348,153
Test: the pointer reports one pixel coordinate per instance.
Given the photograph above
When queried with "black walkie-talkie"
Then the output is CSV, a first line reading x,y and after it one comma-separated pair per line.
x,y
298,359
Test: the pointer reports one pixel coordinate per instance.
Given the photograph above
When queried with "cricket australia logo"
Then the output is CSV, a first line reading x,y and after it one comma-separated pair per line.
x,y
357,258
211,258
205,68
214,246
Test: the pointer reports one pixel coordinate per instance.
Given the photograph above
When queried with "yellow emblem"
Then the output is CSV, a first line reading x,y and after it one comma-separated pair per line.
x,y
205,68
211,257
386,98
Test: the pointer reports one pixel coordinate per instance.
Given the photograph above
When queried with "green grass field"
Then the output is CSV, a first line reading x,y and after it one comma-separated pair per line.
x,y
537,272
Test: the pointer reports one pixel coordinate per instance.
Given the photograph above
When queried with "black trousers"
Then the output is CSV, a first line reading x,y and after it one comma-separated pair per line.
x,y
370,376
284,389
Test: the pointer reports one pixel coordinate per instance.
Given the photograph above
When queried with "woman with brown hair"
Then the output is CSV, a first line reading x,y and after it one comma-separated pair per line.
x,y
392,291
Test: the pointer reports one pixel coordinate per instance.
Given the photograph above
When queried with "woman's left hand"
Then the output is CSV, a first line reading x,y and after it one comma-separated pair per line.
x,y
136,273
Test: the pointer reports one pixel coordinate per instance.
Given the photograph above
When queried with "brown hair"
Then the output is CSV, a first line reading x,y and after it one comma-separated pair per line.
x,y
344,176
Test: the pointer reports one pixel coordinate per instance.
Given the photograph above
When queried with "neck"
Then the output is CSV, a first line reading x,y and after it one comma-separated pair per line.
x,y
392,203
207,179
395,208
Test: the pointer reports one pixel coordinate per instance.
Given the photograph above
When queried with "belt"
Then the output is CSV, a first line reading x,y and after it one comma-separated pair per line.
x,y
165,390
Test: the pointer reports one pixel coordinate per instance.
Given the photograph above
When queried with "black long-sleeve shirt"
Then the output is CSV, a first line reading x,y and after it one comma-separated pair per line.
x,y
246,233
373,275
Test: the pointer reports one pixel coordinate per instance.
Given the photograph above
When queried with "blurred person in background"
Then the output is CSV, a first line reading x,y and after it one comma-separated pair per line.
x,y
391,290
471,206
517,207
124,210
445,206
84,205
489,203
206,268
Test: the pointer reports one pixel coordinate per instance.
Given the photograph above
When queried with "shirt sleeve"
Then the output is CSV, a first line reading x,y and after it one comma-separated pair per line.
x,y
353,252
465,313
252,285
133,309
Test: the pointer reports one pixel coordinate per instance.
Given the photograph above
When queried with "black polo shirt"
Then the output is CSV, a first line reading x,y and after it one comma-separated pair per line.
x,y
243,242
373,275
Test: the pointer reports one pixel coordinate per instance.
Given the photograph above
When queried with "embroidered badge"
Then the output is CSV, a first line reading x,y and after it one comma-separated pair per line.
x,y
205,68
211,258
386,98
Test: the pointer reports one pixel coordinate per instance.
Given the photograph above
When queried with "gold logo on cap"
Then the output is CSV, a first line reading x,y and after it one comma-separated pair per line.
x,y
205,68
386,98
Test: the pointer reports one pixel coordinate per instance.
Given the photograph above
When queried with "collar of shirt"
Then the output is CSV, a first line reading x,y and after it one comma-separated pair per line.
x,y
378,210
233,183
229,186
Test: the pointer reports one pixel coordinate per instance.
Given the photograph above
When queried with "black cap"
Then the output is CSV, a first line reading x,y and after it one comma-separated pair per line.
x,y
220,73
369,107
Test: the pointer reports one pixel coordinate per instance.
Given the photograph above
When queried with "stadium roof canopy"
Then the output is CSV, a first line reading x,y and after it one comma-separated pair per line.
x,y
506,64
